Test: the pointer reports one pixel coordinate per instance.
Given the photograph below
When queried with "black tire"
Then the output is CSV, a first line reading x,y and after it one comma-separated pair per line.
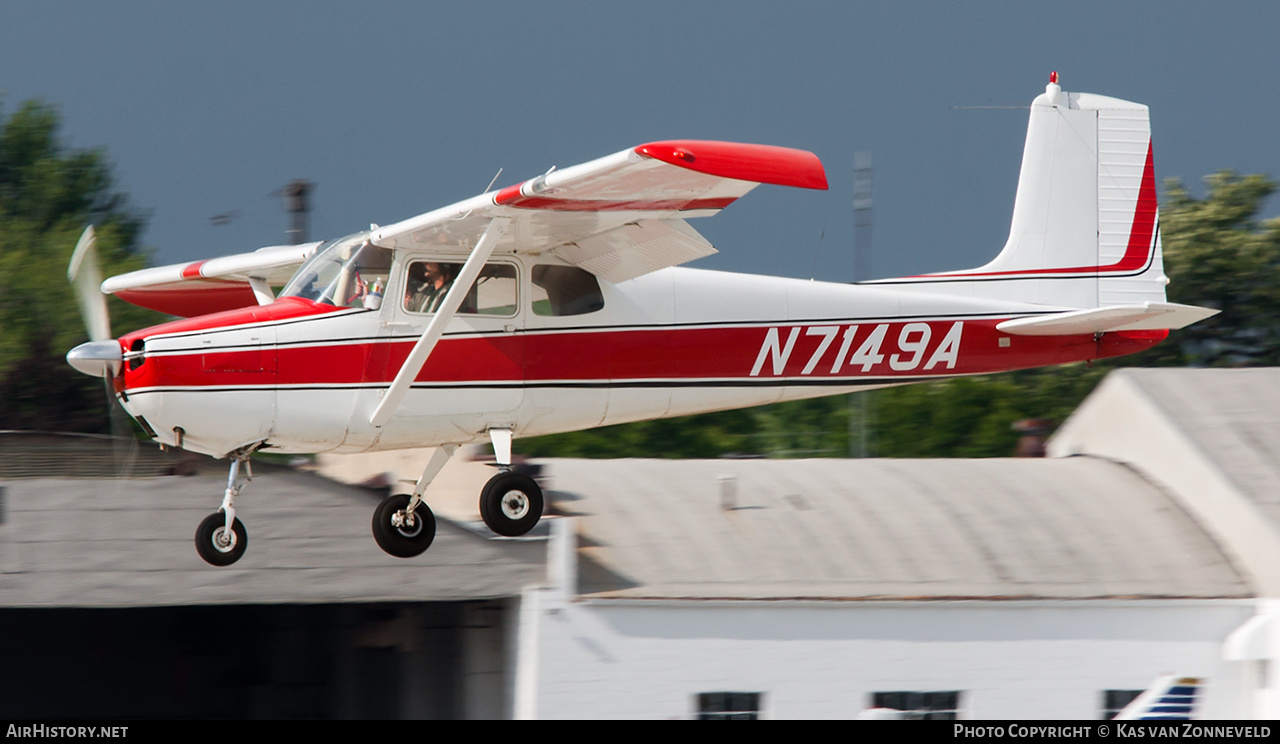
x,y
208,540
511,504
403,542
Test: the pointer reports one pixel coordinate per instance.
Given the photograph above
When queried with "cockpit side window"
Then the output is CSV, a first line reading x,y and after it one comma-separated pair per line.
x,y
564,290
493,293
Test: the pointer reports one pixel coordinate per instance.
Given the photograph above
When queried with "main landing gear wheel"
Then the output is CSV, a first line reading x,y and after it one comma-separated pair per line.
x,y
511,504
215,545
399,535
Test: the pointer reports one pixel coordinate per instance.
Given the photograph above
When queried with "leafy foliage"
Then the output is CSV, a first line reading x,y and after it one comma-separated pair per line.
x,y
803,428
1218,255
48,194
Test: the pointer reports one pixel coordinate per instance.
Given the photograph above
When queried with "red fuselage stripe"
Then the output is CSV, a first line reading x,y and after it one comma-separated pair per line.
x,y
690,355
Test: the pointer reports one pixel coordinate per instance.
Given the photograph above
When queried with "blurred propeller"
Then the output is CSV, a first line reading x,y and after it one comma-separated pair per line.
x,y
86,278
101,357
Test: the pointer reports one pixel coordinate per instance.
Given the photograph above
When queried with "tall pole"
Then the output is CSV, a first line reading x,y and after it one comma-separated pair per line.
x,y
860,404
862,216
298,205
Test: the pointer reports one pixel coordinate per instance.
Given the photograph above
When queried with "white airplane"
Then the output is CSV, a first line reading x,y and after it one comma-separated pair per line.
x,y
554,305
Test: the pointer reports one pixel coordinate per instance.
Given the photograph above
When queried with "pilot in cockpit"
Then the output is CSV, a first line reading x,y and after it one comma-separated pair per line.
x,y
429,282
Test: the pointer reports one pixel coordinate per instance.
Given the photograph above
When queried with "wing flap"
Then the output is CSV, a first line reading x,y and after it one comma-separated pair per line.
x,y
637,248
1148,316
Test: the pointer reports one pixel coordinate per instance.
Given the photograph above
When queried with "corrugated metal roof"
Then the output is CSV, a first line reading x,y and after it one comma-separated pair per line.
x,y
884,529
129,542
1232,415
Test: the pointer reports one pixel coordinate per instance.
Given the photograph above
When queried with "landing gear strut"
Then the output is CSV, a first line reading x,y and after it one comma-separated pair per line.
x,y
510,504
221,538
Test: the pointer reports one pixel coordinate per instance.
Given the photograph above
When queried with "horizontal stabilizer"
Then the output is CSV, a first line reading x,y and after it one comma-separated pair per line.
x,y
1148,316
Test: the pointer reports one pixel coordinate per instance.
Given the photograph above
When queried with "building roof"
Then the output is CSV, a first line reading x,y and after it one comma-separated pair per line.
x,y
129,542
1209,436
1070,528
1232,415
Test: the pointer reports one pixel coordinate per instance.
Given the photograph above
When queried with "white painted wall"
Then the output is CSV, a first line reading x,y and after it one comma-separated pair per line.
x,y
1012,660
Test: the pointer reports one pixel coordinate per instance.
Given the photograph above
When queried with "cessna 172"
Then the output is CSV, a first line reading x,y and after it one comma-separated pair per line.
x,y
555,305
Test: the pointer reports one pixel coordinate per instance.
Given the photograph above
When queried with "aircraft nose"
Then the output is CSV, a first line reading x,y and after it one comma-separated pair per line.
x,y
97,358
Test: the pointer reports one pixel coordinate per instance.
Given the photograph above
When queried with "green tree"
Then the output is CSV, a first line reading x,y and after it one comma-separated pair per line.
x,y
1218,254
48,194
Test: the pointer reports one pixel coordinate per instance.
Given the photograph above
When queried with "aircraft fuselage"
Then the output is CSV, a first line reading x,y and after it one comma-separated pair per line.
x,y
305,377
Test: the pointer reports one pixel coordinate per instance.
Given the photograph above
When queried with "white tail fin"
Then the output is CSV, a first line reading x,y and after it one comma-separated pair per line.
x,y
1169,698
1085,229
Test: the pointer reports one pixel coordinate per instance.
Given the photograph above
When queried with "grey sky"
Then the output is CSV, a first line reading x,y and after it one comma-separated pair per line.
x,y
397,108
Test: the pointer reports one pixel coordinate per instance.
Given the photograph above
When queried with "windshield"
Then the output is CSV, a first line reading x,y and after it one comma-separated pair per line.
x,y
342,272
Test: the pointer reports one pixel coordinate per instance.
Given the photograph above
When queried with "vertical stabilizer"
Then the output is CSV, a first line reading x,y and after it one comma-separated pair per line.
x,y
1085,228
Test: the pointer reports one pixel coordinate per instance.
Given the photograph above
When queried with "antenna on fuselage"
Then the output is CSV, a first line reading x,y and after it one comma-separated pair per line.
x,y
492,181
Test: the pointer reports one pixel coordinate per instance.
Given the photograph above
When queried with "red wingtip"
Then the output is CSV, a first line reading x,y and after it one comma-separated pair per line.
x,y
760,163
1053,77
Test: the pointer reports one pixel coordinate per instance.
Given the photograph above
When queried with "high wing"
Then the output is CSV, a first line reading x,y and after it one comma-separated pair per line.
x,y
619,216
200,287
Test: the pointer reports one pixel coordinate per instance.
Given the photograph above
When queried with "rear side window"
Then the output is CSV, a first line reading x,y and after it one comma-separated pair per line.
x,y
564,290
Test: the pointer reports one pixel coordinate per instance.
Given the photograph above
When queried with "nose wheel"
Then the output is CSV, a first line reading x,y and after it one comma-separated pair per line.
x,y
511,504
216,544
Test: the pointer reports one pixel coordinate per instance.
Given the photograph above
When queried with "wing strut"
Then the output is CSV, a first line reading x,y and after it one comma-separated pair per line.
x,y
452,300
261,290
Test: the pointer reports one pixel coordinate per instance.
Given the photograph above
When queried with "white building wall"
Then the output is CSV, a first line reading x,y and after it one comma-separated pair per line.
x,y
1010,660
